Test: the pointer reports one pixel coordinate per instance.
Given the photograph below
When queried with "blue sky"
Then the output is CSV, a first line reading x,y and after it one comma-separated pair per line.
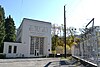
x,y
78,12
45,10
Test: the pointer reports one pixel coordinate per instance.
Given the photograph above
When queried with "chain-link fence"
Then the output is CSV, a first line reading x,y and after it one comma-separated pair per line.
x,y
89,46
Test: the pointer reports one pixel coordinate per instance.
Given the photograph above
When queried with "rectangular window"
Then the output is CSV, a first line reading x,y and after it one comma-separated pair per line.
x,y
41,45
32,46
37,43
9,49
15,49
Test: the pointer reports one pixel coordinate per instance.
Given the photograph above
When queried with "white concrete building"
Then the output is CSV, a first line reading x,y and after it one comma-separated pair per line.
x,y
33,40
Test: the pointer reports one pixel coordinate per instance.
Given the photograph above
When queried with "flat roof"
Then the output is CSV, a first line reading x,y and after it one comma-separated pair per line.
x,y
36,20
33,20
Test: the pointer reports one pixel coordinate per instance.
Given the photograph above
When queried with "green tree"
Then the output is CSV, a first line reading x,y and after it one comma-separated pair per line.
x,y
10,29
2,28
54,42
57,44
72,40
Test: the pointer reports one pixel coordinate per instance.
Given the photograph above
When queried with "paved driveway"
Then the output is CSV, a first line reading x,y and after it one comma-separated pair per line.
x,y
35,62
32,62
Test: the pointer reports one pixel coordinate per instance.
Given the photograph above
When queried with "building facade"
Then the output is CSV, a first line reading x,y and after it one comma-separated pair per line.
x,y
33,40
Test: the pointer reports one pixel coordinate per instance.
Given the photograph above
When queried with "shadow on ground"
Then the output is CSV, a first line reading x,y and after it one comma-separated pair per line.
x,y
64,63
47,64
54,62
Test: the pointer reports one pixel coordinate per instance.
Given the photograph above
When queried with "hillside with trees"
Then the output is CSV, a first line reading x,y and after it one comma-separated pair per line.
x,y
7,29
58,40
2,27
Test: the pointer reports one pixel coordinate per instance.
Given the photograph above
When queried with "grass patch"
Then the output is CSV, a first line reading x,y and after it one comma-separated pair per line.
x,y
2,56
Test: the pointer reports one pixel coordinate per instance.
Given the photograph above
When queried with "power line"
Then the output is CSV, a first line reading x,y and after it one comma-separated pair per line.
x,y
21,13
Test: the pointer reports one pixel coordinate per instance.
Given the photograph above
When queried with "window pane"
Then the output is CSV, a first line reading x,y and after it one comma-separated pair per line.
x,y
9,49
15,49
37,43
32,46
41,45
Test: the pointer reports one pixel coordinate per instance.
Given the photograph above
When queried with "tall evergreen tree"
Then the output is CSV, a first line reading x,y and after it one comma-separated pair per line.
x,y
2,28
9,29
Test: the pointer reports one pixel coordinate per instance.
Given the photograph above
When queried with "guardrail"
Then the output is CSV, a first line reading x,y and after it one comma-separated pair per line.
x,y
85,62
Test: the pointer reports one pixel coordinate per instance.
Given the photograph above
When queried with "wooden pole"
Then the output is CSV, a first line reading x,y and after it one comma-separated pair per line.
x,y
65,30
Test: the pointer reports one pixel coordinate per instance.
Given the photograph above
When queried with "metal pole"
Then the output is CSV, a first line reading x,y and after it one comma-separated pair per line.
x,y
97,52
65,30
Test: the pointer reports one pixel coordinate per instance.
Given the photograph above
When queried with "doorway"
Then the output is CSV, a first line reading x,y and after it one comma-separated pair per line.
x,y
36,52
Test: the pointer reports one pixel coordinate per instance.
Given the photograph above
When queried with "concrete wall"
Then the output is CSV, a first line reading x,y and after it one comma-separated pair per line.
x,y
20,49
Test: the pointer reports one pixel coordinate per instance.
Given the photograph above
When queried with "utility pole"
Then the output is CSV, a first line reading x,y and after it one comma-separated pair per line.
x,y
65,30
